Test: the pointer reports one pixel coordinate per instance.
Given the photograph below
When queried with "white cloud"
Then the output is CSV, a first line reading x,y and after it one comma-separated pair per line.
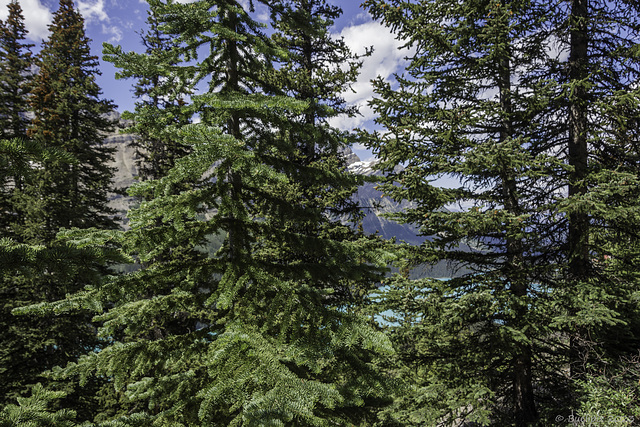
x,y
387,59
93,10
37,17
262,13
116,33
360,18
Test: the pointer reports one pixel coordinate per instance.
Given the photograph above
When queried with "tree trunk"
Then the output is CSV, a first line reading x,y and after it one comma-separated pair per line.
x,y
525,410
578,239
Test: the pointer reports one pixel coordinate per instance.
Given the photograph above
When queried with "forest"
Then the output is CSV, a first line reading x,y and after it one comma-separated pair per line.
x,y
244,291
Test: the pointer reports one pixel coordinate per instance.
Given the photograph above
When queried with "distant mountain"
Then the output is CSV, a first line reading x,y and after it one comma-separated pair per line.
x,y
376,205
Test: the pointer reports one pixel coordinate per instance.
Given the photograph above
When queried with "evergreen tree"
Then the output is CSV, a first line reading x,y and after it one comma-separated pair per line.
x,y
600,313
70,115
311,150
34,411
240,337
478,337
69,118
490,100
26,343
160,94
16,64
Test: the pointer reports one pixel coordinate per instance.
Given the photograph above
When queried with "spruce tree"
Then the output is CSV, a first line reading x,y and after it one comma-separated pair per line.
x,y
312,150
478,338
69,117
18,159
243,336
599,312
16,63
489,99
160,94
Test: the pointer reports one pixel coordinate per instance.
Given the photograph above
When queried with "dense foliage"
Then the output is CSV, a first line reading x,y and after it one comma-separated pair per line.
x,y
250,294
16,64
264,330
525,106
61,181
161,95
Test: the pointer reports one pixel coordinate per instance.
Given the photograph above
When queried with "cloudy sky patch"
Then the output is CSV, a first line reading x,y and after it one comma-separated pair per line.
x,y
37,18
93,10
387,58
118,21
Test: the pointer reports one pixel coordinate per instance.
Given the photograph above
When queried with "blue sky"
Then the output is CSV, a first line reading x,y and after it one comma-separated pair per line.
x,y
118,21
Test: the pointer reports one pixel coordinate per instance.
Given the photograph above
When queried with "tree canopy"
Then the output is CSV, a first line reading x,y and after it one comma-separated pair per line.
x,y
243,289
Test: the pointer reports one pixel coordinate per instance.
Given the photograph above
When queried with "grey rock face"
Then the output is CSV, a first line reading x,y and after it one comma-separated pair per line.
x,y
376,204
124,162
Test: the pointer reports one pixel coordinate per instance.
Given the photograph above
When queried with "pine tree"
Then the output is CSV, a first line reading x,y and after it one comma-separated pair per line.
x,y
70,115
160,94
312,151
477,338
35,411
16,63
237,337
600,312
69,118
530,136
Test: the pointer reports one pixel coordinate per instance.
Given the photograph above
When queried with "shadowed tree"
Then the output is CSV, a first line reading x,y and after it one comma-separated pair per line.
x,y
69,117
525,103
16,63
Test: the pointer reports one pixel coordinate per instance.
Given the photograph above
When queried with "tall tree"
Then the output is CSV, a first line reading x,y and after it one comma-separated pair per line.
x,y
161,95
601,145
241,336
311,150
470,109
515,100
69,117
16,63
18,158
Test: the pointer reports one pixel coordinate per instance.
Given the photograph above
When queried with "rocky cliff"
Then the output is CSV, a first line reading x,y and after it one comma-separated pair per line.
x,y
375,205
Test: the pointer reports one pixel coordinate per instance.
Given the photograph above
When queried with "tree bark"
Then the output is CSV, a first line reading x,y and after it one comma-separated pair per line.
x,y
525,412
578,238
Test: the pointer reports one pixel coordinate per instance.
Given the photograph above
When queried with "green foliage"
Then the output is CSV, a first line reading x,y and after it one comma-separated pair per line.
x,y
266,330
58,178
16,63
70,116
161,94
15,84
36,411
608,400
19,260
489,100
